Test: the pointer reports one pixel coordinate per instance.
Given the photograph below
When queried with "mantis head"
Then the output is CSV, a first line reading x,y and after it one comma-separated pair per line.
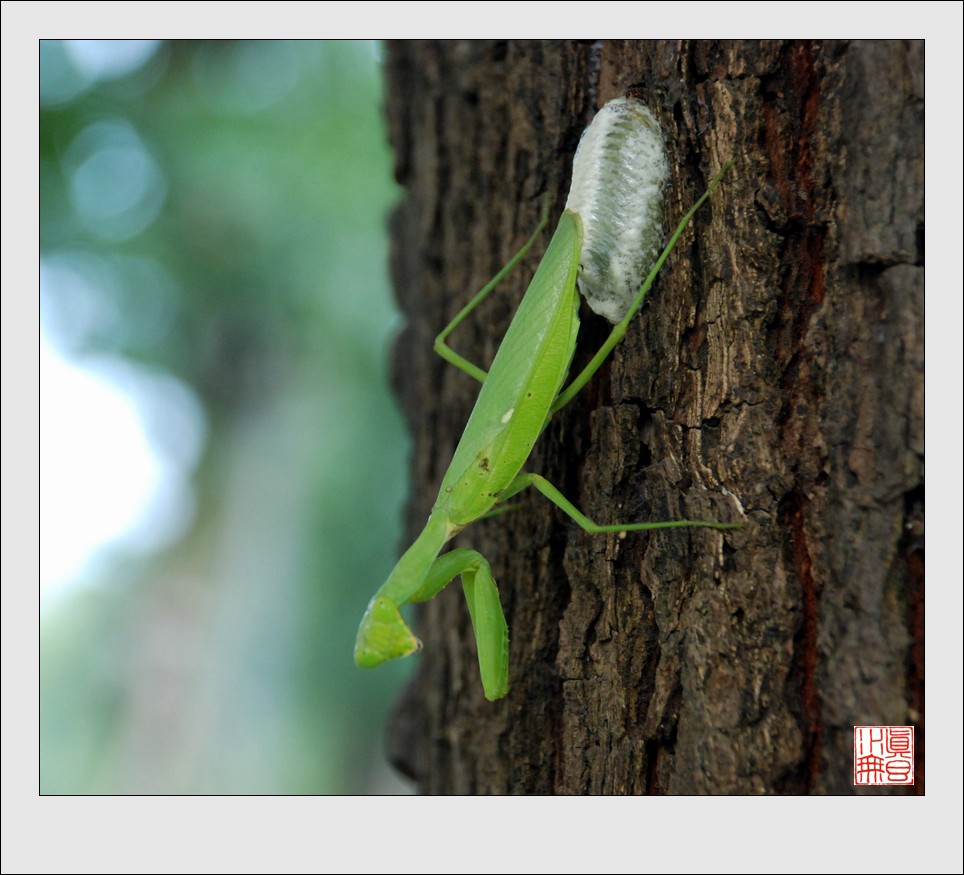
x,y
383,635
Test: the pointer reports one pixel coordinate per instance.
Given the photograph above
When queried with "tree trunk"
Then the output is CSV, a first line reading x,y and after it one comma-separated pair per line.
x,y
775,376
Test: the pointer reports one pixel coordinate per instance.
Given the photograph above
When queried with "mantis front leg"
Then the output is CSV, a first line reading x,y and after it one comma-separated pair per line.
x,y
485,612
384,634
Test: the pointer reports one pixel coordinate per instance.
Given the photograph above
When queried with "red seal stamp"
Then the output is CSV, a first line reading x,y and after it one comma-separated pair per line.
x,y
883,755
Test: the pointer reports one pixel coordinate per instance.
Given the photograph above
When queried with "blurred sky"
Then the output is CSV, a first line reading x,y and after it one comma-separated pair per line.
x,y
223,466
91,423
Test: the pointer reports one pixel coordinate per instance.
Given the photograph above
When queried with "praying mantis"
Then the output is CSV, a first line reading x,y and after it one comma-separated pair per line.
x,y
611,219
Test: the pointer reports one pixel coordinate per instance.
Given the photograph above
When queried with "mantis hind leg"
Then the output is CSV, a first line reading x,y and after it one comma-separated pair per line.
x,y
586,524
619,329
449,354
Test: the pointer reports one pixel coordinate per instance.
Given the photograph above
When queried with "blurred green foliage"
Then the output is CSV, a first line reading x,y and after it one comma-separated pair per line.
x,y
222,211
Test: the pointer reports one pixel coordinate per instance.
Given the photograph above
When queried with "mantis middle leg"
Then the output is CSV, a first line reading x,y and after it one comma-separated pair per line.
x,y
586,524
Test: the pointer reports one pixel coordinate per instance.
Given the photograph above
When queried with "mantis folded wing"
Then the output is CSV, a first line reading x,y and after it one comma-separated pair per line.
x,y
601,254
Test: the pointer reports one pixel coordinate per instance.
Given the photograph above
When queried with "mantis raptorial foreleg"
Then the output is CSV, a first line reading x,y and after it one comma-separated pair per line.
x,y
485,611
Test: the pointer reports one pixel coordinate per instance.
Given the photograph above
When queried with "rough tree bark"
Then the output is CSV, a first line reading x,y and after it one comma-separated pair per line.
x,y
776,374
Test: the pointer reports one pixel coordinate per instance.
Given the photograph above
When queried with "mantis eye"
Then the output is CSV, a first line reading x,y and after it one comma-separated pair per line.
x,y
619,179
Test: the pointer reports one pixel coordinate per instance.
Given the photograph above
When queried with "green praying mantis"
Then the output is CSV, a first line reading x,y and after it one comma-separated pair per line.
x,y
597,247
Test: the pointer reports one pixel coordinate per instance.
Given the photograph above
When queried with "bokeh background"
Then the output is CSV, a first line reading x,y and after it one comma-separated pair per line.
x,y
222,464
